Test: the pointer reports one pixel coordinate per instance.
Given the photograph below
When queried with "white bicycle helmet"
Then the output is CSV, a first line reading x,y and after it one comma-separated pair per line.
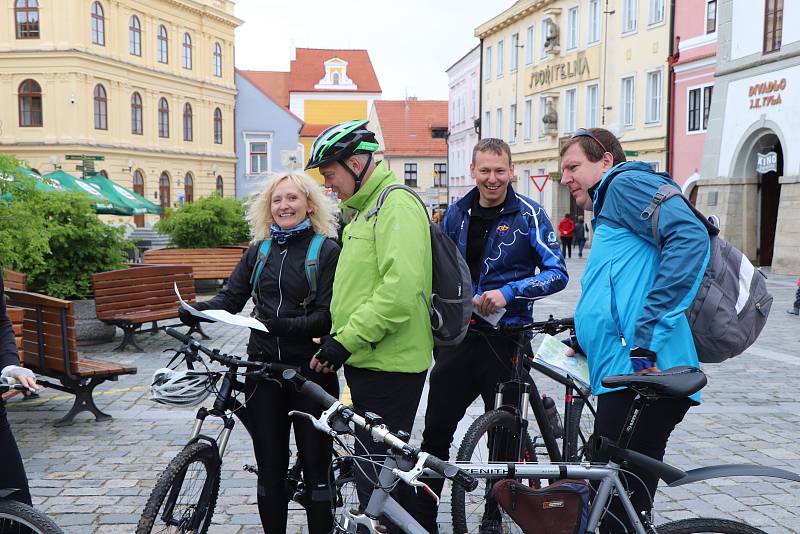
x,y
181,388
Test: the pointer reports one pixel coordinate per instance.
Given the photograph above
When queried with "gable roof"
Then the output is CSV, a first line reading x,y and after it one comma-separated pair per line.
x,y
262,83
273,84
406,127
308,68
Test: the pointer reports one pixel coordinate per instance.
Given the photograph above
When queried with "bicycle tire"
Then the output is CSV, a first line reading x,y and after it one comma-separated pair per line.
x,y
577,429
707,526
16,517
198,452
493,421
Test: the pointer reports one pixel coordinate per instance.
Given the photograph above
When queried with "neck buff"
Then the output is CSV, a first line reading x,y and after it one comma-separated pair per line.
x,y
281,235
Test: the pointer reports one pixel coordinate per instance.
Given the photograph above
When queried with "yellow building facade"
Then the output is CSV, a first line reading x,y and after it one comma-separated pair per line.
x,y
148,85
550,67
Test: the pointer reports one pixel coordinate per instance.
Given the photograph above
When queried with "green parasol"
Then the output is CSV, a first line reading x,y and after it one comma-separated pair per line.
x,y
122,196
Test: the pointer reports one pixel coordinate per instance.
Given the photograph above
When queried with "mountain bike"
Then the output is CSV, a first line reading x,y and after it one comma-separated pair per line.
x,y
17,517
408,465
185,495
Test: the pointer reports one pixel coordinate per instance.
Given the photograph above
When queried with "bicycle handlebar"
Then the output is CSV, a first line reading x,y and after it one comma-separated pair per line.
x,y
379,433
550,326
10,383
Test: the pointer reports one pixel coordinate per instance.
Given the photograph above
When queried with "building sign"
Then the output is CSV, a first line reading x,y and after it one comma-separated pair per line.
x,y
767,163
766,94
582,66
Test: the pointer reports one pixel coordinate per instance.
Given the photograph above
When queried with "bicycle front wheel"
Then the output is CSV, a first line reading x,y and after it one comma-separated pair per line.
x,y
185,495
578,427
707,526
19,518
493,437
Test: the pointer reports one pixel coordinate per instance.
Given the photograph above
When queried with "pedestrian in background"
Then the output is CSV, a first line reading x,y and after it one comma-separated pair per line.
x,y
796,308
291,212
581,229
565,230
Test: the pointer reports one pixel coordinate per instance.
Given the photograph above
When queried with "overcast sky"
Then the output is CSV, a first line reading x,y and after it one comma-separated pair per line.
x,y
410,42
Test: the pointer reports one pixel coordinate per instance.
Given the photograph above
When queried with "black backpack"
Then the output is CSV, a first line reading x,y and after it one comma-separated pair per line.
x,y
732,302
451,296
312,267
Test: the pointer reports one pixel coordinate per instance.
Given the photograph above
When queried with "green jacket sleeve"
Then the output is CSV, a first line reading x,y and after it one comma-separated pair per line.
x,y
403,251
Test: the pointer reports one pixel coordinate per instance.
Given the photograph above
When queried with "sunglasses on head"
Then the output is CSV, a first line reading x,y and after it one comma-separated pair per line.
x,y
585,132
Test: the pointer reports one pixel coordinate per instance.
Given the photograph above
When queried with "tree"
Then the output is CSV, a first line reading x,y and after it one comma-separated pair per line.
x,y
210,222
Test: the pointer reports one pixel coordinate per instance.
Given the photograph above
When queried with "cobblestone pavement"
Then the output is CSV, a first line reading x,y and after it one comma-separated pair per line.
x,y
96,477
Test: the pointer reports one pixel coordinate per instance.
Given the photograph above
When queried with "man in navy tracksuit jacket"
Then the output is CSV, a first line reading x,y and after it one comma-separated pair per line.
x,y
514,258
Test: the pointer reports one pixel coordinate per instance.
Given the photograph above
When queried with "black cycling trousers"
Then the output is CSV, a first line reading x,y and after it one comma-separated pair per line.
x,y
655,425
459,376
12,472
566,246
395,397
268,405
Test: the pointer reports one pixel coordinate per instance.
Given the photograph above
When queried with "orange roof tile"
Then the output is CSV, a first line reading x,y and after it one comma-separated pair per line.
x,y
309,68
406,127
272,83
313,130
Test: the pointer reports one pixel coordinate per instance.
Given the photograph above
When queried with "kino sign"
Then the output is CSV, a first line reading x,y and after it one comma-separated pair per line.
x,y
767,163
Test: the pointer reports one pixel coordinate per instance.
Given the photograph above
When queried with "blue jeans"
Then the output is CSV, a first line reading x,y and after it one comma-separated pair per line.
x,y
580,243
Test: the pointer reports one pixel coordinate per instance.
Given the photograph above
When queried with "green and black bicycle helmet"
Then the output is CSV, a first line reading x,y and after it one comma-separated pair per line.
x,y
341,141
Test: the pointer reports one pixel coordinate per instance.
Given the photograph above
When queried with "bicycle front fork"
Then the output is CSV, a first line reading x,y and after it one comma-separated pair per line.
x,y
223,436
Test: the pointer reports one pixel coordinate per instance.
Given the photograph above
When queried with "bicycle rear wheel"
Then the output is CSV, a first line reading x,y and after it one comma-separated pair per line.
x,y
578,427
185,495
492,437
707,526
19,518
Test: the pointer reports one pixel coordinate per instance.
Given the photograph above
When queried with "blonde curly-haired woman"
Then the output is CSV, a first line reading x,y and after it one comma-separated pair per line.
x,y
290,212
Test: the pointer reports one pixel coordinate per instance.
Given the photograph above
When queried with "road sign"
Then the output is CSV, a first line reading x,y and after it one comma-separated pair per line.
x,y
539,180
84,158
632,153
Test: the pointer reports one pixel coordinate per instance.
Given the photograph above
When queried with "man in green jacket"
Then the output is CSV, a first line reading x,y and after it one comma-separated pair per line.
x,y
381,329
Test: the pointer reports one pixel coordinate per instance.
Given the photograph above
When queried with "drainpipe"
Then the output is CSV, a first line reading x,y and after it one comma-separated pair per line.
x,y
674,55
479,118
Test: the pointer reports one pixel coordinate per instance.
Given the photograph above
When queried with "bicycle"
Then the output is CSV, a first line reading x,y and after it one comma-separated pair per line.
x,y
407,464
185,495
17,517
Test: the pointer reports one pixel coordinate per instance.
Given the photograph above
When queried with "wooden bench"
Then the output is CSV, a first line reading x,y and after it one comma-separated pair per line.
x,y
15,280
129,298
50,349
207,263
16,315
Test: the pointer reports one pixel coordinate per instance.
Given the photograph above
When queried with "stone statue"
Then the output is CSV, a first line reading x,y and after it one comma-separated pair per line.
x,y
551,34
550,118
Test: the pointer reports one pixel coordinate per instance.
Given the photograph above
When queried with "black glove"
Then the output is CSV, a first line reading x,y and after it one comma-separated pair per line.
x,y
331,353
278,326
642,358
188,319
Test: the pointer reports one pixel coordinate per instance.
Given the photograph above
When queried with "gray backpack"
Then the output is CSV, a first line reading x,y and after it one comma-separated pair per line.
x,y
451,297
732,303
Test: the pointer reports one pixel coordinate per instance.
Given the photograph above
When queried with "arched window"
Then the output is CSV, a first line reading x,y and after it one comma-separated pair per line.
x,y
135,36
217,126
187,122
30,103
220,186
138,188
162,46
100,108
137,126
163,193
187,51
163,118
335,78
98,25
217,60
26,14
188,188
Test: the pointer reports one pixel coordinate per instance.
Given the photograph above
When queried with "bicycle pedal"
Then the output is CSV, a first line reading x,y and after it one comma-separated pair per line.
x,y
250,469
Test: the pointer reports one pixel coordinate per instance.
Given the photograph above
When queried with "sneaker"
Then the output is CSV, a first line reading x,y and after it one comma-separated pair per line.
x,y
793,311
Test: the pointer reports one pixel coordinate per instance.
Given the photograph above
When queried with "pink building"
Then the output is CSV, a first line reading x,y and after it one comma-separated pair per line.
x,y
693,65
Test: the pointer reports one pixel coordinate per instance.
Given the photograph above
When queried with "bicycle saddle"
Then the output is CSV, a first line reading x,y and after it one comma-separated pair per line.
x,y
676,382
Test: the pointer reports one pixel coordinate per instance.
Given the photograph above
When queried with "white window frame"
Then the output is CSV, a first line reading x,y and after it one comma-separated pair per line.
x,y
622,106
487,64
512,124
654,8
716,18
543,34
701,89
592,107
501,55
570,110
542,111
498,123
594,28
573,28
530,44
486,126
527,119
257,137
630,16
514,60
651,93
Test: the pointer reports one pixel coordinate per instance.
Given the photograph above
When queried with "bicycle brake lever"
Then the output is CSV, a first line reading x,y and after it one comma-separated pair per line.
x,y
318,424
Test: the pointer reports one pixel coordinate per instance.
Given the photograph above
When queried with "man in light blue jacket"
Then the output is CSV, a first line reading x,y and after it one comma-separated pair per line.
x,y
631,314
